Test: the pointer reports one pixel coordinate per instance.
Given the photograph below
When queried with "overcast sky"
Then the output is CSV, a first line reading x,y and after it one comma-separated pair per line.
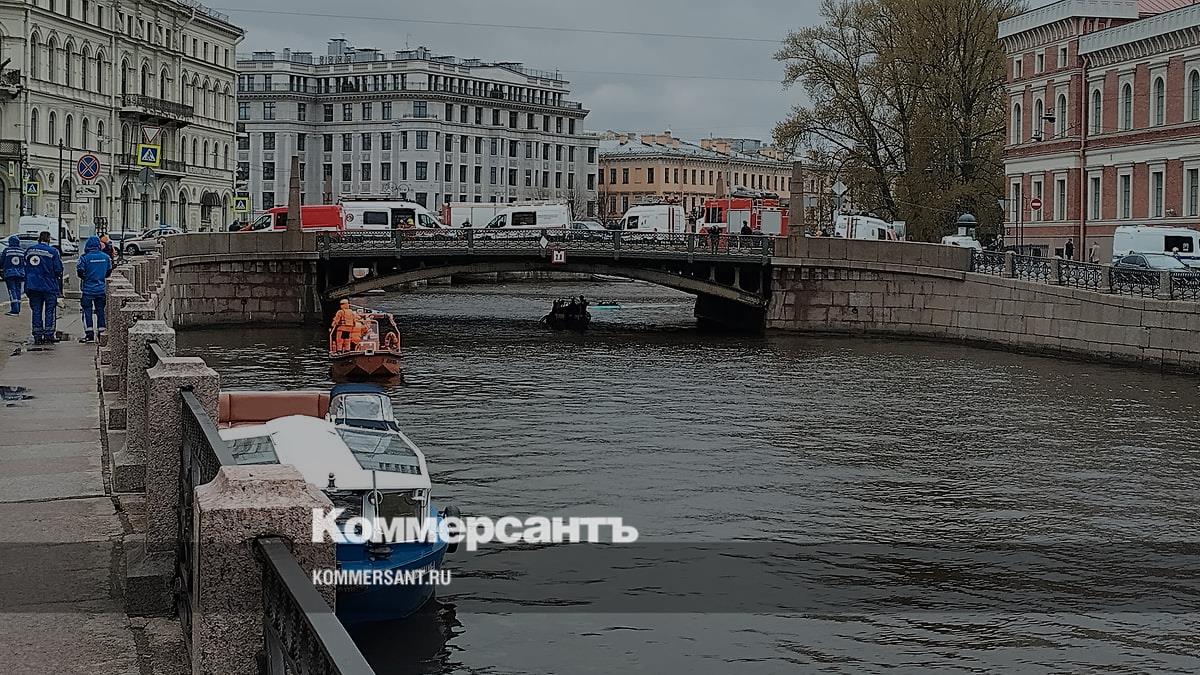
x,y
609,73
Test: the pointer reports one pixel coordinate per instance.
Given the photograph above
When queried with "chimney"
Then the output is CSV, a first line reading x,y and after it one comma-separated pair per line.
x,y
706,144
648,139
721,145
664,138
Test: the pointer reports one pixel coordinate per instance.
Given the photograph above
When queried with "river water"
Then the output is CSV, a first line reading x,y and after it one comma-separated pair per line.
x,y
804,503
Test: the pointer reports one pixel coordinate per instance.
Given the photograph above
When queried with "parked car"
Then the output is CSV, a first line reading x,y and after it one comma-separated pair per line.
x,y
1151,261
148,240
587,230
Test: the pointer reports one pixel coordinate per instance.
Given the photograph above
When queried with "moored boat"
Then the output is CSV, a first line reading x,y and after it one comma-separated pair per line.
x,y
348,444
367,348
569,314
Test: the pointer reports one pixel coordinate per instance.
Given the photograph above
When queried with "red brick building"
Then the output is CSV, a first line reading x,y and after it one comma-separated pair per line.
x,y
1104,120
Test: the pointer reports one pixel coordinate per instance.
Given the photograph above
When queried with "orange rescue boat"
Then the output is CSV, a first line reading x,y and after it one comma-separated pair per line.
x,y
364,344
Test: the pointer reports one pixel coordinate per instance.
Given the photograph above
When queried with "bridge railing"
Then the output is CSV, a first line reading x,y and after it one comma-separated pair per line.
x,y
539,241
1172,285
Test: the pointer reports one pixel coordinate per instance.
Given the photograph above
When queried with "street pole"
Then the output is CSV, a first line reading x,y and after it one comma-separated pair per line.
x,y
60,194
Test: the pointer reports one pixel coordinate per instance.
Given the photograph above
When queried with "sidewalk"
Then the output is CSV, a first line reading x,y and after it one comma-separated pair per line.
x,y
61,604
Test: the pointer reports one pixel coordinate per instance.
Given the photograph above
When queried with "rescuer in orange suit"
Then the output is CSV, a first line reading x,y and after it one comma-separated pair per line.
x,y
391,341
345,322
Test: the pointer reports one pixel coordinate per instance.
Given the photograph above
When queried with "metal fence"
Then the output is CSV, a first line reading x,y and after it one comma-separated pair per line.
x,y
1099,278
302,635
537,242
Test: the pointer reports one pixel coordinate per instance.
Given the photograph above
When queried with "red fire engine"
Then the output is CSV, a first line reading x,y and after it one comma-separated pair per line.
x,y
763,214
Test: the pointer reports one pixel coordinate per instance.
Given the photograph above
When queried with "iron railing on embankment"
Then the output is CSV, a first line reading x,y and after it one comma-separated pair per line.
x,y
301,634
1173,285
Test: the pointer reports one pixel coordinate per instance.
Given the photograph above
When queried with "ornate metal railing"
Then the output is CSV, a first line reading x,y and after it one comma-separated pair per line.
x,y
302,634
157,106
1080,275
202,454
538,242
1185,286
988,262
1134,282
1033,268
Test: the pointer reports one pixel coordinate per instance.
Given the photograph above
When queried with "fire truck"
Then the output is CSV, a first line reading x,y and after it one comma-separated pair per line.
x,y
762,214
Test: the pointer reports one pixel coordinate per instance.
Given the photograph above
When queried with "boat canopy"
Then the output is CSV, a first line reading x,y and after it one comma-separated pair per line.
x,y
318,448
361,405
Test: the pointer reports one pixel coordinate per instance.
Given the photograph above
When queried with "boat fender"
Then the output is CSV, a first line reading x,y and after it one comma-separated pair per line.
x,y
451,511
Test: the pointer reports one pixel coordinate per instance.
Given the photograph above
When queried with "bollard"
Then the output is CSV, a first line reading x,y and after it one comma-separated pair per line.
x,y
241,505
164,439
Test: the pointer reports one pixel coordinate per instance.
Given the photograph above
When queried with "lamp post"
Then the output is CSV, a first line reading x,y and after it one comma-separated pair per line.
x,y
61,147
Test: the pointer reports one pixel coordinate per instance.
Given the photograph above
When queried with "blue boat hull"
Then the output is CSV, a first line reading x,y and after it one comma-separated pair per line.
x,y
386,602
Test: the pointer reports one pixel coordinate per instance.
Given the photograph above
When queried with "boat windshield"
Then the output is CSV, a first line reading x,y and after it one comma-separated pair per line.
x,y
399,505
366,407
380,451
256,450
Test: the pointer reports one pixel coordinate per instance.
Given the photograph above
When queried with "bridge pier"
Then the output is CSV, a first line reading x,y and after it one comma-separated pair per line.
x,y
719,314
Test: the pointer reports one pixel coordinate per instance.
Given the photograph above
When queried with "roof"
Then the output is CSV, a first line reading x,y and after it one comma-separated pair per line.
x,y
1066,9
636,148
1181,15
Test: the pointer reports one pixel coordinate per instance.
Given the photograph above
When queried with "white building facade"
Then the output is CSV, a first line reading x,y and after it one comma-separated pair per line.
x,y
416,126
90,78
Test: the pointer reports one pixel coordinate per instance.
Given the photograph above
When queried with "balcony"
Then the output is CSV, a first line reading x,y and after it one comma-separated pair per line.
x,y
165,166
12,151
10,84
156,109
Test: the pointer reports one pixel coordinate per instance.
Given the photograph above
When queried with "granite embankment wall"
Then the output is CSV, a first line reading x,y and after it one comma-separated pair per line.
x,y
927,291
241,278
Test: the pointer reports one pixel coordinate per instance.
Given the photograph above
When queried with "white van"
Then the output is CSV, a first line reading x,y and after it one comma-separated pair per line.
x,y
864,227
1156,239
387,215
533,217
62,239
654,218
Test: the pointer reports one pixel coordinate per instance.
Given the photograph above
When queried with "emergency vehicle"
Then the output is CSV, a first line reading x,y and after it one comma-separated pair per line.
x,y
763,214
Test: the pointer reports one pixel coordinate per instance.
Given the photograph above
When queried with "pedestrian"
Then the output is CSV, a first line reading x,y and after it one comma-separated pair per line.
x,y
14,273
106,246
1094,253
1069,250
714,236
43,285
746,228
93,269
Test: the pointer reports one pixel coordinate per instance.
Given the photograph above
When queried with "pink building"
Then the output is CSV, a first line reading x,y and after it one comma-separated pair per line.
x,y
1104,120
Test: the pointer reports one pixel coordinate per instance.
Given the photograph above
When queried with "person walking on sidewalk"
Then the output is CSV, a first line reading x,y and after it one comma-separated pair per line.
x,y
43,285
93,269
14,273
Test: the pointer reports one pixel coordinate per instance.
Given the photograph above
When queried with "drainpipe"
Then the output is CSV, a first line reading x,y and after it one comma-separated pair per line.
x,y
1084,182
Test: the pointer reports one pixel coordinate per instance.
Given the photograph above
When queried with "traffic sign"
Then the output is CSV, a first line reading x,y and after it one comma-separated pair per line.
x,y
87,191
33,188
1035,203
241,204
558,256
148,155
150,135
145,180
839,188
88,167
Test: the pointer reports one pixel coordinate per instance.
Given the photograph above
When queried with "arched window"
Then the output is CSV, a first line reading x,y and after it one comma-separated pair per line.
x,y
52,60
1159,102
147,85
195,149
69,60
163,82
124,77
1096,111
1194,96
99,72
85,58
33,126
52,129
1038,123
204,157
1127,107
1060,116
182,148
84,132
35,60
1016,124
68,132
99,133
225,162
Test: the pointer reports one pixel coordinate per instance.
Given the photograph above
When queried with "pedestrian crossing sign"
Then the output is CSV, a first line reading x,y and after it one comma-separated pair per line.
x,y
148,154
33,188
241,204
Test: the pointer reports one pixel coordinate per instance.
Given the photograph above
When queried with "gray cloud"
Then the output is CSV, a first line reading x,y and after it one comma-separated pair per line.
x,y
610,74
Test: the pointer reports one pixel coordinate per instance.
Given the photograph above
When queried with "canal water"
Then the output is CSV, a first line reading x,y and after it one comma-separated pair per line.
x,y
804,503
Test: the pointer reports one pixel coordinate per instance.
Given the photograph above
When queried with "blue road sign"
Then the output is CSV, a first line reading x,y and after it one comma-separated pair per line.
x,y
147,154
88,167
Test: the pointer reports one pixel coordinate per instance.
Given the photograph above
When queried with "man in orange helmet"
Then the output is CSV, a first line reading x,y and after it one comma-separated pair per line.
x,y
344,324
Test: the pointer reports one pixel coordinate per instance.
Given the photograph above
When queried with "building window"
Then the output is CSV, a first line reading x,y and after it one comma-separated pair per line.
x,y
385,110
1060,199
1095,198
478,173
347,112
1193,192
591,156
385,142
1039,63
420,109
301,142
302,111
327,142
492,175
243,111
268,200
1036,188
1194,96
326,171
347,172
243,142
1096,101
268,110
1060,119
328,112
1062,57
385,171
1125,197
1156,194
1126,107
243,171
347,142
422,170
268,171
366,111
649,175
365,172
268,141
422,140
1159,102
625,176
366,142
1016,124
1017,67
